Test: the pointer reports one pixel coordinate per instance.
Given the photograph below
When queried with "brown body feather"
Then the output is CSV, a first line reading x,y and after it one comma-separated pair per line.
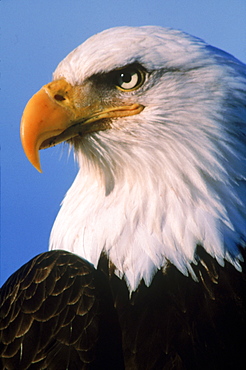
x,y
57,312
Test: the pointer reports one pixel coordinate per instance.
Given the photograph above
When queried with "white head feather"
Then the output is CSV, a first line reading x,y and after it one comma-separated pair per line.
x,y
157,184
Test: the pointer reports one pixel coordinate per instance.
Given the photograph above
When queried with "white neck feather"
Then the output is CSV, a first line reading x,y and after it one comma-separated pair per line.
x,y
144,203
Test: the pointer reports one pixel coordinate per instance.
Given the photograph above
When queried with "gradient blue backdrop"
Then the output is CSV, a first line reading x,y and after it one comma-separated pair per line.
x,y
36,35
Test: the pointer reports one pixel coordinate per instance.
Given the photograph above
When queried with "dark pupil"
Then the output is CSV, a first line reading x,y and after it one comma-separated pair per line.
x,y
126,77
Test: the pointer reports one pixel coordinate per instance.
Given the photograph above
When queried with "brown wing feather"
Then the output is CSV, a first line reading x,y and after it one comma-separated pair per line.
x,y
56,312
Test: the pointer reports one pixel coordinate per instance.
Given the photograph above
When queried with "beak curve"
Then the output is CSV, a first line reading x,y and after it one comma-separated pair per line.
x,y
41,119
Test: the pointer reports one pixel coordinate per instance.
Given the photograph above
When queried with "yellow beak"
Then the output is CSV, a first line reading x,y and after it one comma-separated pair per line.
x,y
60,111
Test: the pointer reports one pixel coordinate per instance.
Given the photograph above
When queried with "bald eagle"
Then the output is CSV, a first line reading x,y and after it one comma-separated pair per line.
x,y
146,268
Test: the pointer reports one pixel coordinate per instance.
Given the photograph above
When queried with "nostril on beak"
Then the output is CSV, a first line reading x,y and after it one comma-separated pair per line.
x,y
59,97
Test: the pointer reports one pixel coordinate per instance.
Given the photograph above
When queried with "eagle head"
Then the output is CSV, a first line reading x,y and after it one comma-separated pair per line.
x,y
157,119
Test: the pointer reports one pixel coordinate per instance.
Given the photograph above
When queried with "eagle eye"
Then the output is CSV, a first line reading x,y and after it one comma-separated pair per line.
x,y
129,78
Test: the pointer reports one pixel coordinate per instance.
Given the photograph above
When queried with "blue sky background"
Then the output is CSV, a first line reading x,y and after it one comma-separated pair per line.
x,y
36,35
